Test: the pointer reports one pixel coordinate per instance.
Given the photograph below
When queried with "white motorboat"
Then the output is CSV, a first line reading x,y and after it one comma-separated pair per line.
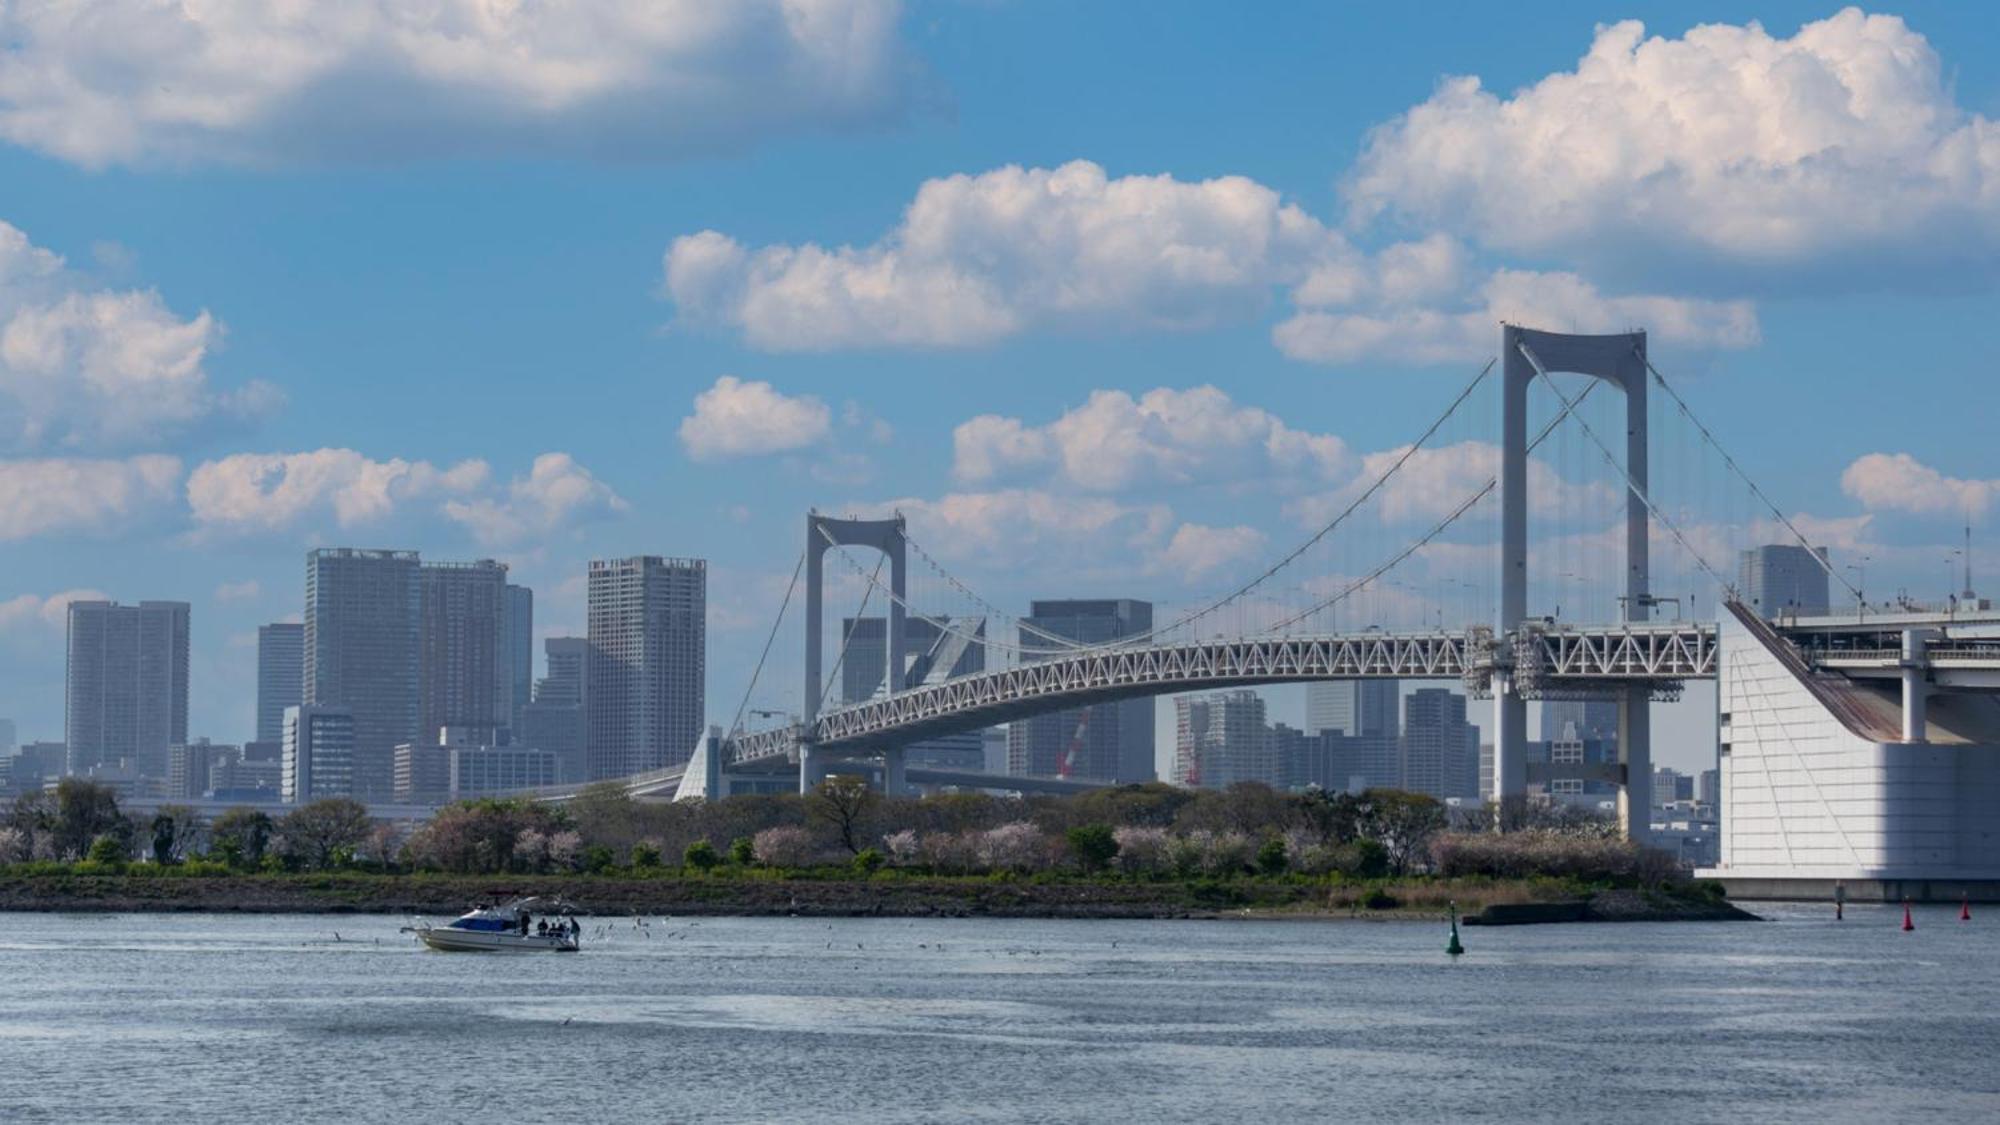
x,y
524,925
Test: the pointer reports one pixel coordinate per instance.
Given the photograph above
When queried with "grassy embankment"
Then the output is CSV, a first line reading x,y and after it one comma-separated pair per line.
x,y
824,892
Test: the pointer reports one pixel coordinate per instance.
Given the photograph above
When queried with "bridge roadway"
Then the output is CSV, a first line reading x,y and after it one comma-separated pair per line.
x,y
1544,659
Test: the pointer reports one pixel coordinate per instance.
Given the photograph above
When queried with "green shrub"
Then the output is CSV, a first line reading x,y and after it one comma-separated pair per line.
x,y
106,851
1093,845
597,859
1379,899
701,855
645,854
866,861
1370,860
1271,859
743,851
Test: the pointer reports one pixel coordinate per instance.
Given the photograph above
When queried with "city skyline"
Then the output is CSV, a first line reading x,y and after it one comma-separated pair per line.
x,y
1044,445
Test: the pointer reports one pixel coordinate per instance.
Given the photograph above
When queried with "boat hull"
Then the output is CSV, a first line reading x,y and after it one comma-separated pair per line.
x,y
448,940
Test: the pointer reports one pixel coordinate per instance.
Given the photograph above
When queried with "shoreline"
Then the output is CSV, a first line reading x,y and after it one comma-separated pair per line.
x,y
1504,902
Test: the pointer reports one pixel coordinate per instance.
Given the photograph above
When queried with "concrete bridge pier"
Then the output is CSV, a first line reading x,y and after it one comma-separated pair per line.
x,y
1635,747
893,782
812,768
1916,688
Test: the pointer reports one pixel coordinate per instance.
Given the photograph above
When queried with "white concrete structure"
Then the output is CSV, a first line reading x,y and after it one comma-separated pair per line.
x,y
1826,777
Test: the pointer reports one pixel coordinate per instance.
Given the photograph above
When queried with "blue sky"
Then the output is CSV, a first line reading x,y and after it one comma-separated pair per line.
x,y
435,267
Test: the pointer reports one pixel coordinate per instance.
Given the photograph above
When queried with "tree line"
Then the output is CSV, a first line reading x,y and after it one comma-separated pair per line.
x,y
1137,831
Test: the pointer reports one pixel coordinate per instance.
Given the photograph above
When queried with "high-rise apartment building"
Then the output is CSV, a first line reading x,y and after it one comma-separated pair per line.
x,y
1440,749
1354,707
516,657
7,736
126,685
1106,741
568,659
281,657
363,625
557,720
648,654
1783,579
321,755
1221,739
463,610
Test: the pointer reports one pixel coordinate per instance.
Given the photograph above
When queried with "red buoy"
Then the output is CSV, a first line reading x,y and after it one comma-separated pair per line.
x,y
1965,909
1908,923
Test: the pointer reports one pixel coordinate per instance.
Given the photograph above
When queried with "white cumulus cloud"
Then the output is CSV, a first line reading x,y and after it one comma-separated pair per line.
x,y
557,493
43,497
979,258
1370,323
1898,482
268,491
735,418
1730,145
1196,550
82,366
1165,436
50,612
251,82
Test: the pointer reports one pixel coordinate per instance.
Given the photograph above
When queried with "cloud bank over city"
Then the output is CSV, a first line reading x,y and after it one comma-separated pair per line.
x,y
262,84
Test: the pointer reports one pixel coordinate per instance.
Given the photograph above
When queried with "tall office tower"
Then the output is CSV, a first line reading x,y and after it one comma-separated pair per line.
x,y
516,662
1354,707
1221,739
1106,741
569,668
126,691
932,652
1592,720
7,736
463,612
1440,749
1708,787
557,720
1783,579
362,653
322,755
647,664
281,658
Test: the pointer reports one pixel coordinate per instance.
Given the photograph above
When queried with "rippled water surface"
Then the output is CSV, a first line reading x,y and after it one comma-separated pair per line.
x,y
210,1018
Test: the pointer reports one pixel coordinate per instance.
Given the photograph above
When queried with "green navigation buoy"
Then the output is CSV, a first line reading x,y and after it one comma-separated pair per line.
x,y
1454,947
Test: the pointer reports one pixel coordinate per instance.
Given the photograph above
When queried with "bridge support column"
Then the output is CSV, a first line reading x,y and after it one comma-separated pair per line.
x,y
1635,746
1916,692
1510,748
893,783
812,768
1619,359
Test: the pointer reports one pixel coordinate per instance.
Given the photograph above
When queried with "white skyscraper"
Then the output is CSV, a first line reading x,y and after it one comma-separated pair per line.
x,y
648,620
320,755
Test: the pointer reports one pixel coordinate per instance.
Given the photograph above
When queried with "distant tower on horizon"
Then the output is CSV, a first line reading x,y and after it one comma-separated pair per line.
x,y
281,659
464,673
363,622
516,663
1116,739
1781,578
1354,707
648,654
125,697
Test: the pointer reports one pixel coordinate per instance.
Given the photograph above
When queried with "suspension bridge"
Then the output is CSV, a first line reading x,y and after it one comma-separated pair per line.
x,y
1593,548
